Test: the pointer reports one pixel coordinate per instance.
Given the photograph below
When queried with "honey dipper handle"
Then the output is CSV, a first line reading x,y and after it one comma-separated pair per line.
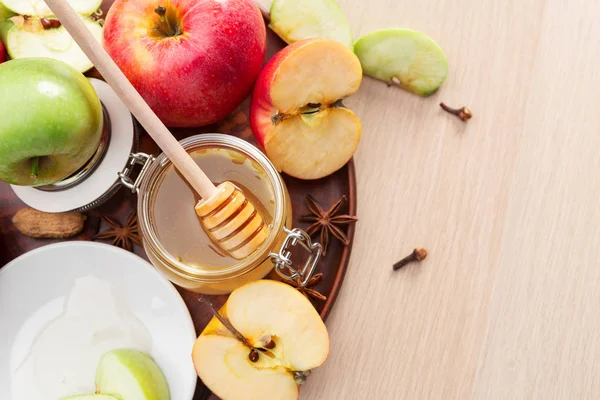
x,y
130,96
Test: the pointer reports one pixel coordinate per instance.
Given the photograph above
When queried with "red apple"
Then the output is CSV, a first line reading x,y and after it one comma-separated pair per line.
x,y
296,112
193,61
2,53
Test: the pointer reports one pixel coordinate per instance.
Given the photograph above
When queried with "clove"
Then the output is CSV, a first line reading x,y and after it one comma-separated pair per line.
x,y
463,113
418,254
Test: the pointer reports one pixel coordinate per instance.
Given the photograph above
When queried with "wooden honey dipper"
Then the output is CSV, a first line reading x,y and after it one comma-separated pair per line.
x,y
230,220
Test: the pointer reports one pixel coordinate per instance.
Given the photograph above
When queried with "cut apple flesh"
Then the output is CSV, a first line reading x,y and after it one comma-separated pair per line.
x,y
403,57
91,397
261,312
131,375
319,72
55,43
324,141
27,42
295,20
231,375
38,8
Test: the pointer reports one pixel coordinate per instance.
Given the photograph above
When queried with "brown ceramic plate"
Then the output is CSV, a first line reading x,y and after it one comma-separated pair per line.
x,y
326,191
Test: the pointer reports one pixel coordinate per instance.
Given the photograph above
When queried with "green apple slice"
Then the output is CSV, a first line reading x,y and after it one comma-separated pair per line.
x,y
28,41
403,57
131,375
295,20
91,397
38,8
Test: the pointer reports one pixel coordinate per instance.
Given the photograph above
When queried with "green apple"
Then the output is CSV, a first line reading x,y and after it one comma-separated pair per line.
x,y
295,20
91,397
40,9
51,121
131,375
27,38
403,57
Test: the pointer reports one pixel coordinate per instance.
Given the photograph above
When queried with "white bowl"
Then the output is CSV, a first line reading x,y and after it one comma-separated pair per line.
x,y
115,299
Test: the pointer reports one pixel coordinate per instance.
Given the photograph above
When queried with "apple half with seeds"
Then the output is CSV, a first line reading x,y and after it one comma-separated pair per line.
x,y
403,57
295,20
262,343
28,37
296,113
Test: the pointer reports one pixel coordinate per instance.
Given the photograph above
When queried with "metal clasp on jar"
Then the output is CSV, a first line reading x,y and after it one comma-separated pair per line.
x,y
283,264
143,159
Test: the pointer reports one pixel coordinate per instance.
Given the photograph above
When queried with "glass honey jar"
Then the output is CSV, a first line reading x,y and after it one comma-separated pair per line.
x,y
173,238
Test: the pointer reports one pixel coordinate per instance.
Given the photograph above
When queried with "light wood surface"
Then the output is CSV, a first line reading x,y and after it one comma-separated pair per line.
x,y
507,305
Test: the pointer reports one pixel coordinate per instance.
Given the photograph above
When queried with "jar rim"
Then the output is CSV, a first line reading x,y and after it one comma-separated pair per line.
x,y
151,181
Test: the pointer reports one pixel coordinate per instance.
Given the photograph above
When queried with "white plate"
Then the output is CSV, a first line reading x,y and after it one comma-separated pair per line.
x,y
37,364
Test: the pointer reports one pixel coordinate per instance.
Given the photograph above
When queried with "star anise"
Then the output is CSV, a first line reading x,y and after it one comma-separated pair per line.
x,y
121,236
327,222
306,290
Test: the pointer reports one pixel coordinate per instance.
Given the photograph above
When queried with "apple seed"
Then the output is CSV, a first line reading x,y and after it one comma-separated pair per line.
x,y
253,356
50,23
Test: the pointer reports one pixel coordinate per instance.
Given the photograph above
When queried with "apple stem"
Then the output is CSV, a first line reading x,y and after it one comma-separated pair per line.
x,y
168,29
226,323
463,113
34,167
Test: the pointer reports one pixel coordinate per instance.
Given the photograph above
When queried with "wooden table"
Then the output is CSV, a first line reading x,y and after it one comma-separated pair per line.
x,y
507,305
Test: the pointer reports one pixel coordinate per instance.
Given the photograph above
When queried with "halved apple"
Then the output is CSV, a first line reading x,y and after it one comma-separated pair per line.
x,y
279,337
40,9
91,397
295,20
131,375
297,113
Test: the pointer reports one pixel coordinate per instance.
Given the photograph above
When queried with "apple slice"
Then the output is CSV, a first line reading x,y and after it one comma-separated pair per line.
x,y
279,337
403,57
28,39
131,375
39,8
296,112
91,397
295,20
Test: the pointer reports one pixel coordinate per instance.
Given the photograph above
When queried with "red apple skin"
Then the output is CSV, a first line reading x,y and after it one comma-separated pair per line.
x,y
2,53
261,106
196,78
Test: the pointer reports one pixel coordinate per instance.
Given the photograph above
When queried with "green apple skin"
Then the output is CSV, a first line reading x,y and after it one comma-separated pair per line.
x,y
49,110
91,397
132,375
403,57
